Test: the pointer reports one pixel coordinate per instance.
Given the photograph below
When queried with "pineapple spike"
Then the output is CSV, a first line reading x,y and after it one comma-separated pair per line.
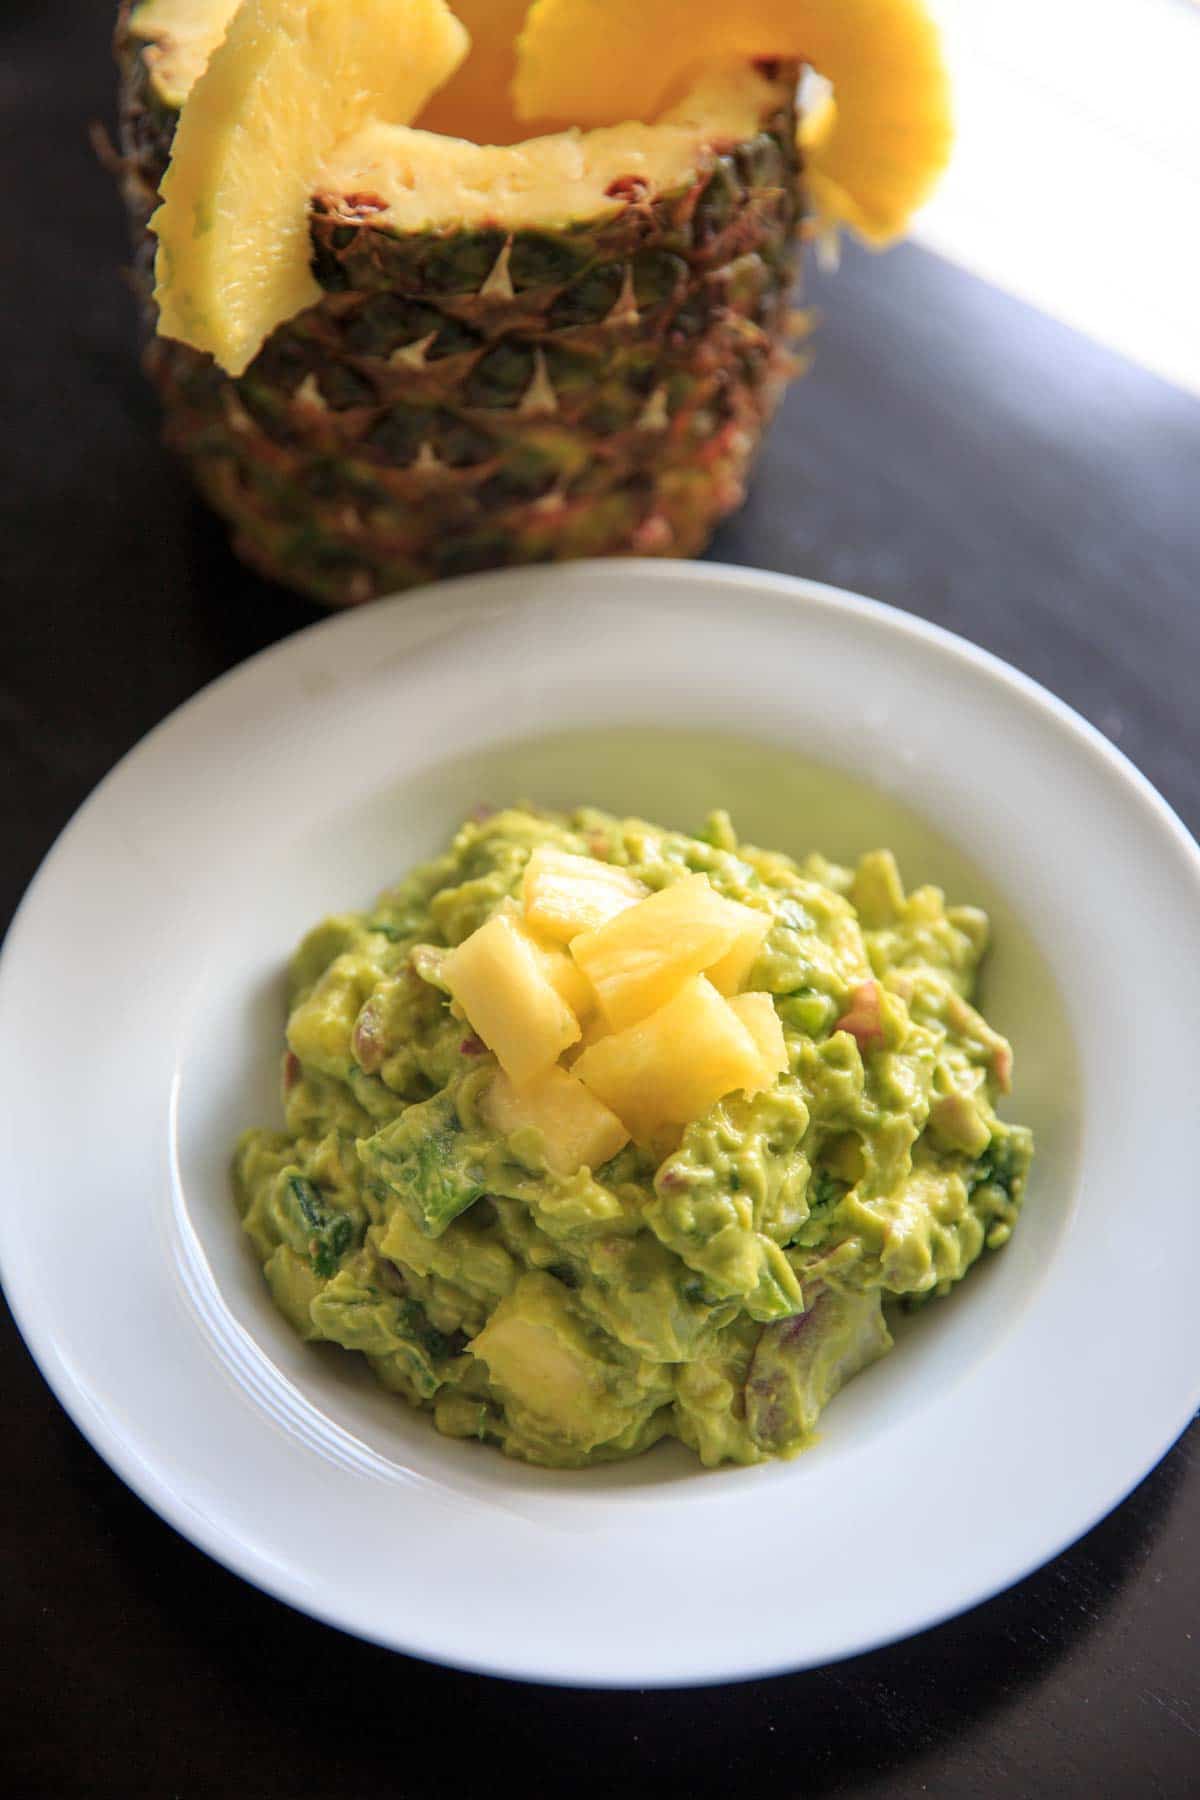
x,y
309,394
655,416
539,396
414,355
498,285
625,311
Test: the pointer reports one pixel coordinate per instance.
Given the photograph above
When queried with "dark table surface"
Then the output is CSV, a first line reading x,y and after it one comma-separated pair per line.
x,y
952,452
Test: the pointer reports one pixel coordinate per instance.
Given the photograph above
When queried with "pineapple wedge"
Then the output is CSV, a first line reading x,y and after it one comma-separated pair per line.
x,y
889,133
641,958
566,895
498,976
577,1129
289,79
757,1013
671,1067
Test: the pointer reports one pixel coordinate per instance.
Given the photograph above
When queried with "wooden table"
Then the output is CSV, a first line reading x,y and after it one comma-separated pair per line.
x,y
953,453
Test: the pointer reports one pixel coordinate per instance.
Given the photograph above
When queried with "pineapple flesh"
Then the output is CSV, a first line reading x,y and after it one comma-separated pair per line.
x,y
673,1065
566,894
639,959
480,346
577,1130
499,978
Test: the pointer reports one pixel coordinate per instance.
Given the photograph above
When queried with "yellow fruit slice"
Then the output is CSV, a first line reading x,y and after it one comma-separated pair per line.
x,y
757,1013
600,61
499,977
640,958
671,1067
577,1129
289,79
567,894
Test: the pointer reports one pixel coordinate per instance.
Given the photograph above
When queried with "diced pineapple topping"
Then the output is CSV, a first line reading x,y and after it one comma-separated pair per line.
x,y
665,1045
564,974
565,895
577,1129
728,975
642,957
288,81
671,1067
757,1013
499,977
888,136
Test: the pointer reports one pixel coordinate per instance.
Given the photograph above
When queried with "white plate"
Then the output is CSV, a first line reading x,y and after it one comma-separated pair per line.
x,y
140,1019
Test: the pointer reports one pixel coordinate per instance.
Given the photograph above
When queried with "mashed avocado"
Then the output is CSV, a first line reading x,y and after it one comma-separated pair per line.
x,y
719,1286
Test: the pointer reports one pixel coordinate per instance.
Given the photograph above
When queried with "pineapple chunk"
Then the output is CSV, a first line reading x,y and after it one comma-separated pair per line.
x,y
566,978
576,1128
566,895
728,975
286,83
758,1015
888,135
562,971
498,976
643,956
670,1068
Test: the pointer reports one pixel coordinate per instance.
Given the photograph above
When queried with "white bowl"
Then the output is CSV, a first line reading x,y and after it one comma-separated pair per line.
x,y
140,1018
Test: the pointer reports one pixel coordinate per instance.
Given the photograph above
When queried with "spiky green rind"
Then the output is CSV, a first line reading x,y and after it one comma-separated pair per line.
x,y
603,394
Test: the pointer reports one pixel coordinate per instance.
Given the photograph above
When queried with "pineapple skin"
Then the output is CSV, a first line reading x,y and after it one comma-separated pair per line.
x,y
474,399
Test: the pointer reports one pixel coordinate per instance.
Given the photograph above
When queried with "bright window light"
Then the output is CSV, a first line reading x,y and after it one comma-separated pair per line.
x,y
1076,177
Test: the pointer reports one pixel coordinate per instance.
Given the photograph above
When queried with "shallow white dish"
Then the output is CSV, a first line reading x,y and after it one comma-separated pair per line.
x,y
140,1018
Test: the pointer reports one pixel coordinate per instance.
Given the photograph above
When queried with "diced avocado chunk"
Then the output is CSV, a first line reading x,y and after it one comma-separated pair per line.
x,y
800,1364
354,1311
288,1208
427,1161
294,1285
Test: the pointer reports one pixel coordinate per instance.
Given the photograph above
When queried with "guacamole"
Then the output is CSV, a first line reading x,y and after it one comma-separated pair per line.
x,y
718,1281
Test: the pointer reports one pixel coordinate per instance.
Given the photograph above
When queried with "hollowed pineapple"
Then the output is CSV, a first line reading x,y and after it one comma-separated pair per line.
x,y
480,347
